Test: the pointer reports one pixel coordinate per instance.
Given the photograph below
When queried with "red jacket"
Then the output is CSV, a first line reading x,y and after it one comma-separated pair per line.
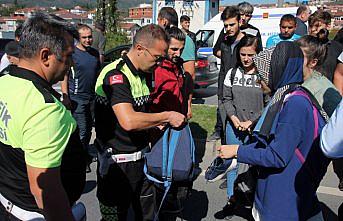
x,y
169,92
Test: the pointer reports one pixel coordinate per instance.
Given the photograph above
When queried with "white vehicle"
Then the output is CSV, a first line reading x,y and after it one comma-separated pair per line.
x,y
267,20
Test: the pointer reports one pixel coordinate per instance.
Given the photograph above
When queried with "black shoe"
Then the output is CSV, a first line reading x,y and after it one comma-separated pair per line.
x,y
223,185
228,210
215,136
340,185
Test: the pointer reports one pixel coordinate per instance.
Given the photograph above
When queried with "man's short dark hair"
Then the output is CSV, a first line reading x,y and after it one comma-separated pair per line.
x,y
45,31
230,12
301,9
148,33
184,18
12,48
100,25
175,32
319,15
170,14
288,17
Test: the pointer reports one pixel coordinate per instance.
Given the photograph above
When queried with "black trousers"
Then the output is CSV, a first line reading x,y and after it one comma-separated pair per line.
x,y
6,216
125,185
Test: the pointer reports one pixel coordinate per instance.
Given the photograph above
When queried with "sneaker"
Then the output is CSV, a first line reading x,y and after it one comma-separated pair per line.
x,y
218,168
223,185
215,136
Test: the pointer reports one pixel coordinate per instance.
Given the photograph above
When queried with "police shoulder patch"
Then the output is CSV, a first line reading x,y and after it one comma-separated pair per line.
x,y
116,79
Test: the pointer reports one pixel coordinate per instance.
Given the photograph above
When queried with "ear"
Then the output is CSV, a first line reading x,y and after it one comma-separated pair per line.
x,y
313,63
45,56
139,49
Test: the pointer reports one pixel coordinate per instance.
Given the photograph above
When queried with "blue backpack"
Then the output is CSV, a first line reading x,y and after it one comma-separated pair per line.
x,y
172,158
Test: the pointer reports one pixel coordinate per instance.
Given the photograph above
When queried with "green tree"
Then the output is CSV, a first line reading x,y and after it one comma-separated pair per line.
x,y
114,39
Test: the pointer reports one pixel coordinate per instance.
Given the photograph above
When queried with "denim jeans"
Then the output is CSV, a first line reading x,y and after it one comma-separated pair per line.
x,y
233,136
82,114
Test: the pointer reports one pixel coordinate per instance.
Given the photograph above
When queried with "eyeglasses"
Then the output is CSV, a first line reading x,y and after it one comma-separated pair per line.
x,y
157,58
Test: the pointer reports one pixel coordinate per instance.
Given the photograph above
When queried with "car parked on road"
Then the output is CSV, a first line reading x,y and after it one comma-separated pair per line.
x,y
3,43
206,70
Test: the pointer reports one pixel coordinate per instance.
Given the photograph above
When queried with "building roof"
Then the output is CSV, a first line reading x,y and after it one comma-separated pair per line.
x,y
12,18
68,15
28,10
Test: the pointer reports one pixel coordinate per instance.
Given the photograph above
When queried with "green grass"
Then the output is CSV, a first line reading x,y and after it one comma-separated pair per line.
x,y
203,120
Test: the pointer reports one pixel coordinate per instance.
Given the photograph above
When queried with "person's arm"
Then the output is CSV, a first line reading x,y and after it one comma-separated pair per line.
x,y
131,120
189,84
288,135
46,133
102,45
228,100
259,41
338,78
189,66
216,48
65,92
47,189
331,140
188,55
117,89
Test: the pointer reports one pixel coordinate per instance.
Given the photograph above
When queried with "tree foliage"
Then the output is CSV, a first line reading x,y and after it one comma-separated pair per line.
x,y
114,39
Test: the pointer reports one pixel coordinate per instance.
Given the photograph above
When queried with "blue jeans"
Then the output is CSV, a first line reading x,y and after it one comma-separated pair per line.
x,y
82,114
233,136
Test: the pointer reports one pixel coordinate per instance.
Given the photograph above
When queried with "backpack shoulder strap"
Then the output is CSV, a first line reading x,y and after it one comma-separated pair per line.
x,y
297,151
233,74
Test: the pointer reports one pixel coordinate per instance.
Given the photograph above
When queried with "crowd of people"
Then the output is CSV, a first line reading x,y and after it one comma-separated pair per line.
x,y
279,115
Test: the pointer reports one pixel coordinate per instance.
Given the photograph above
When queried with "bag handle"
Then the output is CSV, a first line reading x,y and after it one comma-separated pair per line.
x,y
165,148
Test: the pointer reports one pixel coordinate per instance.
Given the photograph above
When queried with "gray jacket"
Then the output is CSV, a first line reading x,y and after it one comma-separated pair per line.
x,y
242,96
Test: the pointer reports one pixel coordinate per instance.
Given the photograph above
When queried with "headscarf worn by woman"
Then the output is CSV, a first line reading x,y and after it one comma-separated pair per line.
x,y
281,68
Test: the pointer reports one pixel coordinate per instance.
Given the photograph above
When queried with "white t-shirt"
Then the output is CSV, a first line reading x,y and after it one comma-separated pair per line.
x,y
340,57
4,62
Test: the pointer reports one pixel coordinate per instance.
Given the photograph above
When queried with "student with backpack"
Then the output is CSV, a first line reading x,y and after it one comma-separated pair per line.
x,y
243,100
172,87
287,148
315,82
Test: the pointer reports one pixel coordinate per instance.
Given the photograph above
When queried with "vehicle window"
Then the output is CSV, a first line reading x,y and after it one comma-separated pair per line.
x,y
204,38
115,54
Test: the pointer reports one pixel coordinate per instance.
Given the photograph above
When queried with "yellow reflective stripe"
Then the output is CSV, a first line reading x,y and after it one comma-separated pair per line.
x,y
99,82
138,85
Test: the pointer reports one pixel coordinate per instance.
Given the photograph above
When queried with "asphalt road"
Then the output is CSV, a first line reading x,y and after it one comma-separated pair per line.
x,y
207,199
